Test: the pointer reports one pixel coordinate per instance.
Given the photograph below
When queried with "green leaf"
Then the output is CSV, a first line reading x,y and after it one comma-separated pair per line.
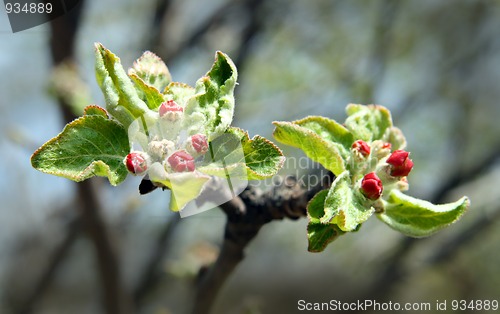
x,y
319,235
122,100
151,70
263,159
179,92
368,123
343,207
92,145
212,107
328,129
149,94
418,218
260,157
396,138
314,146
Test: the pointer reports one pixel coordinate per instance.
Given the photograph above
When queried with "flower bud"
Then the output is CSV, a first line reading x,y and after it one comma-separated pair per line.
x,y
136,162
160,149
170,110
400,163
181,161
371,186
362,147
380,149
197,144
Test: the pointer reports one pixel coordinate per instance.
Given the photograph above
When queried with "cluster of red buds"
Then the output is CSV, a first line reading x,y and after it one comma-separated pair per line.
x,y
165,151
398,167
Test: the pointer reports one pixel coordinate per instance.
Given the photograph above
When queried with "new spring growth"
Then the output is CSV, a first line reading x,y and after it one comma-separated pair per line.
x,y
397,168
400,163
365,153
161,129
371,186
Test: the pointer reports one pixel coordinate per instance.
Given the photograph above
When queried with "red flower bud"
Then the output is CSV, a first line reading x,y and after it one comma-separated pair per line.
x,y
181,161
170,110
362,147
371,186
401,164
200,143
136,163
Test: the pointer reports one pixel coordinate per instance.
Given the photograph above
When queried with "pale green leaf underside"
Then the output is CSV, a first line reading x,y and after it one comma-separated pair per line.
x,y
396,138
418,218
368,123
315,147
89,146
152,71
328,129
179,92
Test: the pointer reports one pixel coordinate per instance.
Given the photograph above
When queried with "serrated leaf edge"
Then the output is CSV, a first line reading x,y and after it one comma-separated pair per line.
x,y
114,180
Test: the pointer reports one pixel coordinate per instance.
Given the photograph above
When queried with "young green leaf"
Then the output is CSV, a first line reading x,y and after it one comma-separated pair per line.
x,y
263,159
343,207
151,70
149,94
319,235
328,129
122,100
260,157
368,123
418,218
318,149
92,145
212,107
179,92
